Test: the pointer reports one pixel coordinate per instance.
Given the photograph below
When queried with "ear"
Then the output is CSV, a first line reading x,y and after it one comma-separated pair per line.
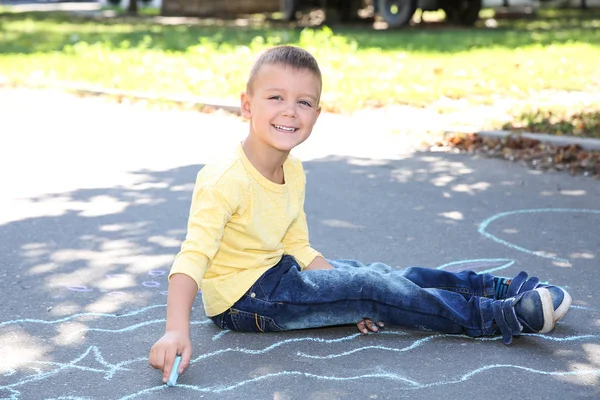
x,y
245,100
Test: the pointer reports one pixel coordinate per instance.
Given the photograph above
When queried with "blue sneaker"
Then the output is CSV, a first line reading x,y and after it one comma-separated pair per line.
x,y
561,300
529,312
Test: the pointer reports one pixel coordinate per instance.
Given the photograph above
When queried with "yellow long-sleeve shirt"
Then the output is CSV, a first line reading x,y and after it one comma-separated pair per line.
x,y
240,225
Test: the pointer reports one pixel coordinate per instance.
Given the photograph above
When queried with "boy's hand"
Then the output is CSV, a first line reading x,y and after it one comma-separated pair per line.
x,y
318,263
164,351
367,325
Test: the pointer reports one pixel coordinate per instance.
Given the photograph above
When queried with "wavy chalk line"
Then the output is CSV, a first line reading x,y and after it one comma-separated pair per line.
x,y
112,368
131,327
410,384
420,342
484,225
91,314
221,334
273,346
583,308
505,263
69,398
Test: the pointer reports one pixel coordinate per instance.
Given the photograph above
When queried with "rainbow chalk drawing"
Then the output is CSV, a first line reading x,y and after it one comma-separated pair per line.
x,y
92,359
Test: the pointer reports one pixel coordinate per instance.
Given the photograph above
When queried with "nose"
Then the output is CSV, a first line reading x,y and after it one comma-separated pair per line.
x,y
289,109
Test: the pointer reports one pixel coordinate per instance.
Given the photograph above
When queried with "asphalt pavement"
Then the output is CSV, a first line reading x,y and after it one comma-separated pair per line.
x,y
93,206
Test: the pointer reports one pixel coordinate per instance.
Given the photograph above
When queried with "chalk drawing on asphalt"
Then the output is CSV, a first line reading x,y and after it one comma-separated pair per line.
x,y
483,228
151,283
99,365
46,370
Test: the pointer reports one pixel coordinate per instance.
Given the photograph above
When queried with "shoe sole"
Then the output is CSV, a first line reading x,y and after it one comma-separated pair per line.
x,y
564,306
547,309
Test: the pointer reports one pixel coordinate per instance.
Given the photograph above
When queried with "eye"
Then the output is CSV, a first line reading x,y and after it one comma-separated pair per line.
x,y
305,103
277,97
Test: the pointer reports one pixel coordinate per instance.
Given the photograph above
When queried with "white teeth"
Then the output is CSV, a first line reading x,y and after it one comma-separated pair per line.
x,y
285,128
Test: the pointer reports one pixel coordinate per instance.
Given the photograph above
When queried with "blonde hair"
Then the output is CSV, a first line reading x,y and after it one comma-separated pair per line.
x,y
288,56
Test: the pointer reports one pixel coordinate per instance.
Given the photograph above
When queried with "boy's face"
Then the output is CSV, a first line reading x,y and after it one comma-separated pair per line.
x,y
282,106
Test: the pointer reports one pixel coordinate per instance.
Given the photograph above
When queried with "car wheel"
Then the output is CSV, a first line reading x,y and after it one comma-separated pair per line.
x,y
396,13
289,8
463,12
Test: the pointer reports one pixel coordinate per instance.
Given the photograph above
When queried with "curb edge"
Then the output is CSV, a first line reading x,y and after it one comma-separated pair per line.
x,y
585,143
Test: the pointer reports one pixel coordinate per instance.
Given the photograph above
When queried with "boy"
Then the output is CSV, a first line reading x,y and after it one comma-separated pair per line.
x,y
247,245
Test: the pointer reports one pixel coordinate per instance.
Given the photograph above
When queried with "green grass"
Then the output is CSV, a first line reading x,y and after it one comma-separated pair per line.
x,y
361,67
558,121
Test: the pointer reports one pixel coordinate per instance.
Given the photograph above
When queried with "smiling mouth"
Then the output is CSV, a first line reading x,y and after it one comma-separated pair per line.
x,y
286,129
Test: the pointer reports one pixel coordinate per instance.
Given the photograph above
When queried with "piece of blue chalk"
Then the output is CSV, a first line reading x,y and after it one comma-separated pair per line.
x,y
174,372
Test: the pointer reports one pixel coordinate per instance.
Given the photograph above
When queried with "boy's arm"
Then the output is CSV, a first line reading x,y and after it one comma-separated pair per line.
x,y
176,340
295,241
210,211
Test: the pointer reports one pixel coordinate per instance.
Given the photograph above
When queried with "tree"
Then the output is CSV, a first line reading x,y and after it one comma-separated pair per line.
x,y
132,8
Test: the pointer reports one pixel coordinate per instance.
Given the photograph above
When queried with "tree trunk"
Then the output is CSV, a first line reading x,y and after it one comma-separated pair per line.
x,y
132,8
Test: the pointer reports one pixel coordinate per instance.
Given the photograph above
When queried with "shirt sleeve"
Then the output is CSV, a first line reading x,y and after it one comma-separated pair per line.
x,y
210,211
295,241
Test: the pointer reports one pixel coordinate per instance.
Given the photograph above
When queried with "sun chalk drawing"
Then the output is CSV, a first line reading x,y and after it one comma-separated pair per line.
x,y
484,226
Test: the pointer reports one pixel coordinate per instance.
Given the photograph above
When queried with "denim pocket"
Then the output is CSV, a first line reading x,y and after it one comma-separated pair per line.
x,y
244,321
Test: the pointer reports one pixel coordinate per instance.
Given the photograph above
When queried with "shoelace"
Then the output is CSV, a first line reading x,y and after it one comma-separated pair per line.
x,y
520,284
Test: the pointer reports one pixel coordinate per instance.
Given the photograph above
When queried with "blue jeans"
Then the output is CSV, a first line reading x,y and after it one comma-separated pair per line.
x,y
284,298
